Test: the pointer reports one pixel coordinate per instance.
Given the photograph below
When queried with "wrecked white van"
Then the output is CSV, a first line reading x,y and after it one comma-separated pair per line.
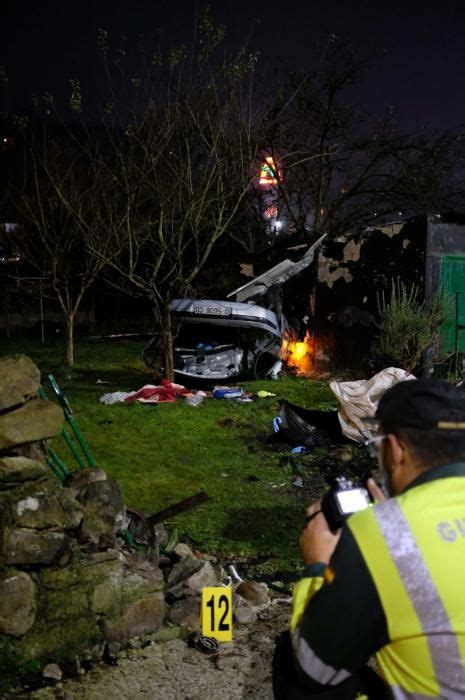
x,y
245,335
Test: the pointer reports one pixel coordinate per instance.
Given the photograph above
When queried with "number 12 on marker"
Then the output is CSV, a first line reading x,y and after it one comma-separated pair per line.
x,y
216,613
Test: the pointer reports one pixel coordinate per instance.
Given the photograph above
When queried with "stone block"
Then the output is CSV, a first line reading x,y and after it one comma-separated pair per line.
x,y
182,550
36,420
33,450
88,569
52,672
64,605
119,590
183,569
142,617
162,535
201,579
255,593
140,578
176,592
18,603
50,640
72,509
47,505
244,614
185,612
20,469
103,506
19,379
79,479
21,546
105,597
167,634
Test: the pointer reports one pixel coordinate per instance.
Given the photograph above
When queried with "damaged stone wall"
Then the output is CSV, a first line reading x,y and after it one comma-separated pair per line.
x,y
71,591
353,271
67,585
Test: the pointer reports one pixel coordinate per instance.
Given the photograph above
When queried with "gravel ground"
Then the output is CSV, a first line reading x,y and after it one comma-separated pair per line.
x,y
173,671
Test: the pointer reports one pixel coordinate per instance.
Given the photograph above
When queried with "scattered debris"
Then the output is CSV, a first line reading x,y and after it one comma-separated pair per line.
x,y
308,428
145,529
207,645
115,397
52,672
299,450
167,392
194,400
275,370
358,400
234,575
177,508
227,392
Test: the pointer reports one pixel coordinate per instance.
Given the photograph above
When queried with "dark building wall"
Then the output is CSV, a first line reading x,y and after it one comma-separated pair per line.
x,y
353,272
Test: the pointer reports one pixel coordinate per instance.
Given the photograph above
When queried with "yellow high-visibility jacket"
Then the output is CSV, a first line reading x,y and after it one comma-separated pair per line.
x,y
395,588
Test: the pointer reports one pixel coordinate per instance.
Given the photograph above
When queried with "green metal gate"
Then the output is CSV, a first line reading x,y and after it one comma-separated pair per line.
x,y
453,281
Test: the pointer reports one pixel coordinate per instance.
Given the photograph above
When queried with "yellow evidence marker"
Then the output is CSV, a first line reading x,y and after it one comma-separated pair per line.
x,y
216,613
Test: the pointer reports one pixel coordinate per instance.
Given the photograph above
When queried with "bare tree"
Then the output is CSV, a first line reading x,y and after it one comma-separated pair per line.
x,y
365,167
148,194
182,159
59,209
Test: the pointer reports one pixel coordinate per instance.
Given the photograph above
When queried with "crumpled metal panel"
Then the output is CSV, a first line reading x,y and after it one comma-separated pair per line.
x,y
220,363
277,275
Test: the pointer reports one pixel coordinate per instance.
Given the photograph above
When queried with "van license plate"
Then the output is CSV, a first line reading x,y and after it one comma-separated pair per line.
x,y
212,310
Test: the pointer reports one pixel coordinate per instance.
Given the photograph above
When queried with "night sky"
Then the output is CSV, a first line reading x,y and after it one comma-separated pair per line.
x,y
421,70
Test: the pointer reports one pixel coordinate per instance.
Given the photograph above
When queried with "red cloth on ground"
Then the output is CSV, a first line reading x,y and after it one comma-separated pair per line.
x,y
166,393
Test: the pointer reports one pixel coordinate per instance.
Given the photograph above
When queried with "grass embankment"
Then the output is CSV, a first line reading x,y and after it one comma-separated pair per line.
x,y
162,454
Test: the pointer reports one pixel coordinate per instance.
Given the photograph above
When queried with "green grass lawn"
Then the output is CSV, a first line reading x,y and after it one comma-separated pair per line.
x,y
162,454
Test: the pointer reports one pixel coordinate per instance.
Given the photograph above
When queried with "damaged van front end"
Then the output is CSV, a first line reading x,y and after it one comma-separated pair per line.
x,y
219,340
245,335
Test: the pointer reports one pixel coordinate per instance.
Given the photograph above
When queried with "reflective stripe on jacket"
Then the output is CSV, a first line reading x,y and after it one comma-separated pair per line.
x,y
414,548
309,662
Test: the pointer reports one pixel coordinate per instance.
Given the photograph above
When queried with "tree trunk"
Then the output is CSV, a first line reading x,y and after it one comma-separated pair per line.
x,y
168,342
69,357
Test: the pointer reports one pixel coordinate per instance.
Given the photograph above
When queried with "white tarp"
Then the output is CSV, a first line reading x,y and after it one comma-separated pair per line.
x,y
359,399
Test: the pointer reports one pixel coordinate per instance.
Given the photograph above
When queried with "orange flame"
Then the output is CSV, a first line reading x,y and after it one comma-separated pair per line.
x,y
301,355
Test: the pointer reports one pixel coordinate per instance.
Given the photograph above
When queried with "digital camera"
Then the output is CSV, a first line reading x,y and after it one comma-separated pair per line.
x,y
344,498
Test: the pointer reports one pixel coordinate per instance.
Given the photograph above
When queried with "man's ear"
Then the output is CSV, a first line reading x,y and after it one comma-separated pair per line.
x,y
397,452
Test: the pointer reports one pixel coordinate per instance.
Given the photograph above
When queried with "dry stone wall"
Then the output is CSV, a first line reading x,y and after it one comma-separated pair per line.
x,y
71,592
68,585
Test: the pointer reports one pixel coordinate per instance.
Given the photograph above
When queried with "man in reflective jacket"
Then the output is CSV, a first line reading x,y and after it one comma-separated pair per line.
x,y
391,583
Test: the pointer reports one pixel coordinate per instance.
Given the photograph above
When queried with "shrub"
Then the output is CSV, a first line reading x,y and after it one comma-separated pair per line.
x,y
408,327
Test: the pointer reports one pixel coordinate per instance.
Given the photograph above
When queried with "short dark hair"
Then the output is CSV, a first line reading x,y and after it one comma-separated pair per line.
x,y
433,448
